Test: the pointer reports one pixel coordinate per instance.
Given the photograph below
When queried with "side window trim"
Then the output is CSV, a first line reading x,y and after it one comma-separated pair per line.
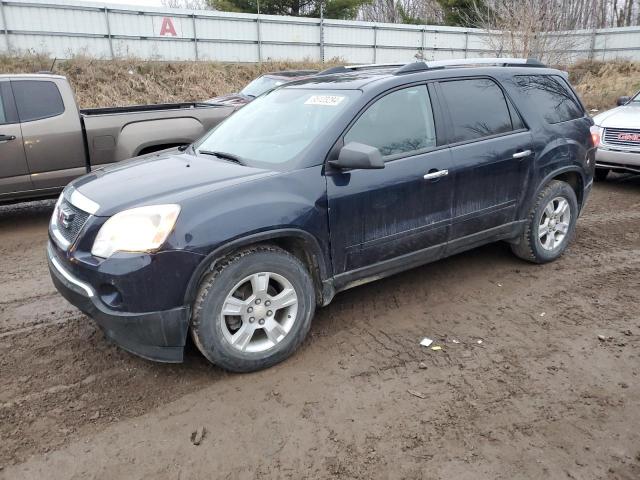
x,y
439,115
513,111
10,110
511,108
437,118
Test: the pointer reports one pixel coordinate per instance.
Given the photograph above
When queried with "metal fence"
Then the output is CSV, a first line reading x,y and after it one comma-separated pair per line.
x,y
66,28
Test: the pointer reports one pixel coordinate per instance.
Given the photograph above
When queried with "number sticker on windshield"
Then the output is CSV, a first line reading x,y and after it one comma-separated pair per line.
x,y
327,100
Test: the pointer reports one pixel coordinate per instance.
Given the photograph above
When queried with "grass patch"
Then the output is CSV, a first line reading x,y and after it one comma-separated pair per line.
x,y
105,83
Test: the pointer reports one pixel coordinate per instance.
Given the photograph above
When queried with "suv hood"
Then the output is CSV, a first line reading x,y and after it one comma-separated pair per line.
x,y
626,116
158,179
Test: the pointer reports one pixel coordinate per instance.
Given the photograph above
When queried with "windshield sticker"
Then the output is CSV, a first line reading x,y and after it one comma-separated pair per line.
x,y
327,100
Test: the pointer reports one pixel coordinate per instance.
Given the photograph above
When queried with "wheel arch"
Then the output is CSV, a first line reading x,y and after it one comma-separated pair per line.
x,y
571,175
299,243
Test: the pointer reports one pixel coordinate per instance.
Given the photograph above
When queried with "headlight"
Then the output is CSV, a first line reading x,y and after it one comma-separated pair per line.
x,y
137,230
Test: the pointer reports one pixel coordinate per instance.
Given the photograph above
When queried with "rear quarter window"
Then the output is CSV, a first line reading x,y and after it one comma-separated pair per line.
x,y
550,96
37,99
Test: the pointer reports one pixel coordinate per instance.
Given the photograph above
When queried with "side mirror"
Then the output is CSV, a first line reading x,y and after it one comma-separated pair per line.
x,y
623,100
358,155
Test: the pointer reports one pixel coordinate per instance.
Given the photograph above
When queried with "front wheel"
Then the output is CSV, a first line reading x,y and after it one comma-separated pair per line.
x,y
550,225
253,310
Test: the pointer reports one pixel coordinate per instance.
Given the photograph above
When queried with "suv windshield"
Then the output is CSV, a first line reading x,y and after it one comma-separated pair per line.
x,y
260,85
277,127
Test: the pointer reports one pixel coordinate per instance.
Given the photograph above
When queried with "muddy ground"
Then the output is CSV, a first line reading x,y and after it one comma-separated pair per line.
x,y
541,396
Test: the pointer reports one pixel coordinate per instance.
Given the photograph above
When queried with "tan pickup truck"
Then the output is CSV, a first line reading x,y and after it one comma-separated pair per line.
x,y
45,141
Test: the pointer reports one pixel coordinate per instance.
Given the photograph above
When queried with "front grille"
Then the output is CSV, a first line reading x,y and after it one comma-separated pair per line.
x,y
622,137
69,221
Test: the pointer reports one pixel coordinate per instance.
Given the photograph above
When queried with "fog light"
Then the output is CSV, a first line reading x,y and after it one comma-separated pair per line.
x,y
110,295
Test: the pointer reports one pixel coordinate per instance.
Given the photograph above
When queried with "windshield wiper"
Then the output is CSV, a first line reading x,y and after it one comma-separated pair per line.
x,y
224,155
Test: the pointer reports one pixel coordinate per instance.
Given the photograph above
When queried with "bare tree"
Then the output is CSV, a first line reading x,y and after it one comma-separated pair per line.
x,y
187,4
532,28
402,11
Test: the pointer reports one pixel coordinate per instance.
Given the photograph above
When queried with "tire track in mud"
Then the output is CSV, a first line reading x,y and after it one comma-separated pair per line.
x,y
503,398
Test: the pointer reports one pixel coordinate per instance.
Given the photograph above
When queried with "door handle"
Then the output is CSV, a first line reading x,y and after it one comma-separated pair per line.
x,y
7,138
436,174
523,154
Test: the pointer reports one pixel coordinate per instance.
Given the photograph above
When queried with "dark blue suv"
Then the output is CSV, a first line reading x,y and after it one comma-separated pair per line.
x,y
315,187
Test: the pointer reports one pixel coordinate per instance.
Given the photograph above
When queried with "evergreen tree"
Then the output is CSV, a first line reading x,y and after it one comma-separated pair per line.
x,y
462,13
340,9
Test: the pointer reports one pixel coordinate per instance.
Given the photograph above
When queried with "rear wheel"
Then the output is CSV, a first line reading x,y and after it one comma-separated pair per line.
x,y
601,174
254,310
550,225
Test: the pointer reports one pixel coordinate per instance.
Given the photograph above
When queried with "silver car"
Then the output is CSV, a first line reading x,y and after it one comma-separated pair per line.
x,y
619,132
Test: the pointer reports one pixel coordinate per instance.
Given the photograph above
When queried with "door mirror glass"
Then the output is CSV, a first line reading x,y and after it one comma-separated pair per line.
x,y
623,100
358,155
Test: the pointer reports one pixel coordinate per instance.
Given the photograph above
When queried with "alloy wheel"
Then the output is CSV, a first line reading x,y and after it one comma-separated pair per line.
x,y
259,312
554,223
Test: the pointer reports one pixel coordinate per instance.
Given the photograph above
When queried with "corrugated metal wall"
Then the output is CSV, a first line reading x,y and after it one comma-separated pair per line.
x,y
65,28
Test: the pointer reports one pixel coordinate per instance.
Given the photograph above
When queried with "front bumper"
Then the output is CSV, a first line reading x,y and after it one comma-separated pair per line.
x,y
618,159
158,336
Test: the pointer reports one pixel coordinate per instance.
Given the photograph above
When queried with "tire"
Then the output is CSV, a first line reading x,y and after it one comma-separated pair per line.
x,y
248,283
536,244
601,174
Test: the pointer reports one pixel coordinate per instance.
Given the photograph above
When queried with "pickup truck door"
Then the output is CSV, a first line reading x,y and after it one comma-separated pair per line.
x,y
51,131
387,219
14,173
491,157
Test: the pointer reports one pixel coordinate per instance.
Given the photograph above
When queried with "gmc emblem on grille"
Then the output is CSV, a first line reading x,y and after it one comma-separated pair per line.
x,y
629,137
65,217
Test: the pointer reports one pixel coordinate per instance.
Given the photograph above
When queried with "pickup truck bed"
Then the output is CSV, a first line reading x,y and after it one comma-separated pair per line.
x,y
45,141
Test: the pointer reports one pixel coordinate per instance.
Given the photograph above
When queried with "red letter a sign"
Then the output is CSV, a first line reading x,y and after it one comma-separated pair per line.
x,y
167,28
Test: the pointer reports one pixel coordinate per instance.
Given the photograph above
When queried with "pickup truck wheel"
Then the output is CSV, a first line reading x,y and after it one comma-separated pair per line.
x,y
601,174
253,310
550,225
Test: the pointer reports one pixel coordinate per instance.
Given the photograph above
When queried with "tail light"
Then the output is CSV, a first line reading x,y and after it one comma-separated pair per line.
x,y
596,135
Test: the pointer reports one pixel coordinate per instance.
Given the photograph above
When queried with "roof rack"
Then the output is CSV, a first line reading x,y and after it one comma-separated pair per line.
x,y
464,62
355,68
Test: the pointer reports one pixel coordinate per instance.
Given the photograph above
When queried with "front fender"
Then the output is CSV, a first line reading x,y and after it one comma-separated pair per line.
x,y
291,205
312,247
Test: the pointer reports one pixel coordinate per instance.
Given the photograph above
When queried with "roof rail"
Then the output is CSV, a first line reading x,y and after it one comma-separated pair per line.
x,y
355,68
462,62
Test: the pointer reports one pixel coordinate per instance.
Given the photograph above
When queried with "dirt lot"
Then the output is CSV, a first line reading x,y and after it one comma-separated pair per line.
x,y
540,397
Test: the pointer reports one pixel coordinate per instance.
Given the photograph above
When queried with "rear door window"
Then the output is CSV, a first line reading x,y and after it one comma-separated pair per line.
x,y
550,96
400,123
37,99
477,108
